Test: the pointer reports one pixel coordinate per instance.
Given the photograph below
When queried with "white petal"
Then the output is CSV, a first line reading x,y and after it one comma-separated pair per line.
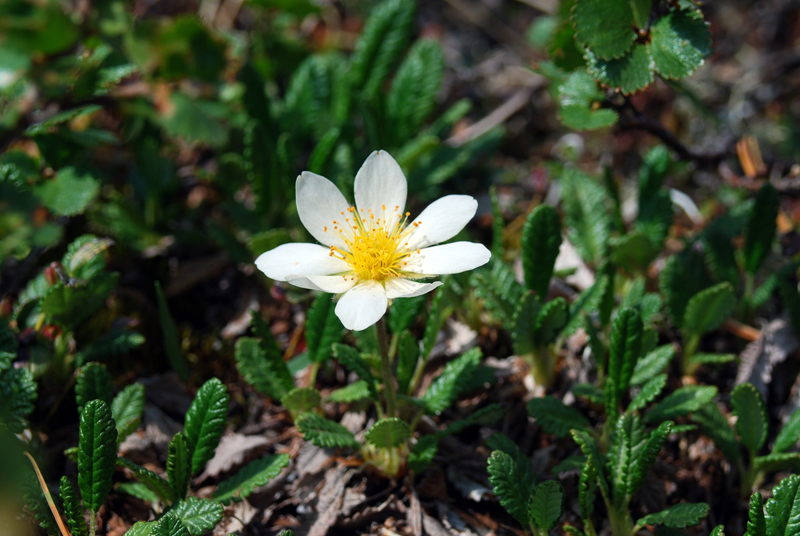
x,y
380,182
362,305
448,259
398,287
299,259
335,284
442,220
319,202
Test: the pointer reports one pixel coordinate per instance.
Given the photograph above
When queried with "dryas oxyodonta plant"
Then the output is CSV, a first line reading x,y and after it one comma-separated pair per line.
x,y
372,253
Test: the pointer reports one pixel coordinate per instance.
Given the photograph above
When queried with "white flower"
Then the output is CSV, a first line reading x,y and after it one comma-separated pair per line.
x,y
373,252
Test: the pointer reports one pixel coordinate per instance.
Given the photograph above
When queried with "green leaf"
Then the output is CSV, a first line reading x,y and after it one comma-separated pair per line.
x,y
720,254
627,444
783,509
702,358
751,413
709,308
524,322
138,490
592,452
93,383
114,343
142,528
625,347
541,240
677,517
388,433
589,391
680,42
449,385
585,118
647,456
68,193
777,462
422,453
17,397
585,205
631,72
761,228
73,509
578,98
756,523
499,289
323,328
126,408
205,422
70,306
354,362
402,313
789,433
587,489
169,525
604,26
179,466
97,453
551,319
684,275
407,358
172,343
555,417
260,362
522,464
633,251
301,400
682,401
385,35
511,490
155,483
652,364
320,157
257,473
195,120
438,314
198,515
649,392
358,390
715,425
547,504
325,433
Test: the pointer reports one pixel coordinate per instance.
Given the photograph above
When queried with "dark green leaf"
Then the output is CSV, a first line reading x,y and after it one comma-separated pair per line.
x,y
507,483
585,205
592,452
649,392
522,464
301,400
551,319
449,385
647,456
715,425
589,391
73,509
756,523
631,72
403,312
205,422
17,397
407,358
578,97
627,445
677,517
142,528
783,509
138,490
114,343
587,489
354,392
436,317
126,408
388,433
541,240
625,347
195,120
524,321
256,473
761,228
709,308
172,343
155,483
422,453
604,26
683,276
633,251
93,383
169,525
682,401
198,515
703,358
354,362
789,434
179,466
547,504
652,364
68,193
679,43
777,462
748,406
97,453
324,433
261,362
500,291
323,328
555,417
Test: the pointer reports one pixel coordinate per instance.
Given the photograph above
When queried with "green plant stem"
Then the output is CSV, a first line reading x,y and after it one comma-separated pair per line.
x,y
688,352
389,385
393,347
312,376
621,522
542,366
747,299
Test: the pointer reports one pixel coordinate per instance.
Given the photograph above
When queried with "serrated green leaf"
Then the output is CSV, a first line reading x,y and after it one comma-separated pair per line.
x,y
325,433
323,328
407,358
198,515
142,528
73,509
624,350
195,120
388,433
138,490
682,401
564,49
70,306
748,406
627,444
422,453
68,193
589,391
541,240
510,489
649,392
702,358
677,517
783,509
719,530
547,504
522,464
585,205
155,483
402,313
645,458
83,258
358,390
761,228
169,525
789,433
172,343
592,452
633,251
301,400
555,417
385,35
500,291
715,425
261,365
127,408
353,361
604,26
17,397
585,118
630,73
523,332
551,319
578,97
114,343
450,384
256,473
756,523
777,462
97,453
205,422
655,206
679,42
587,489
652,364
720,254
684,275
317,98
93,383
709,308
436,316
179,466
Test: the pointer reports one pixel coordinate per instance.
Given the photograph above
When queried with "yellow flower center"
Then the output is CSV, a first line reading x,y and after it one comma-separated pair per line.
x,y
376,247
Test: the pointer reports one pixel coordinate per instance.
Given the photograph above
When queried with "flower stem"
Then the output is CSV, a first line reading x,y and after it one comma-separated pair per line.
x,y
390,388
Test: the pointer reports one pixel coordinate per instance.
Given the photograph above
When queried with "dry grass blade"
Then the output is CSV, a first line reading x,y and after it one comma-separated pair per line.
x,y
50,502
